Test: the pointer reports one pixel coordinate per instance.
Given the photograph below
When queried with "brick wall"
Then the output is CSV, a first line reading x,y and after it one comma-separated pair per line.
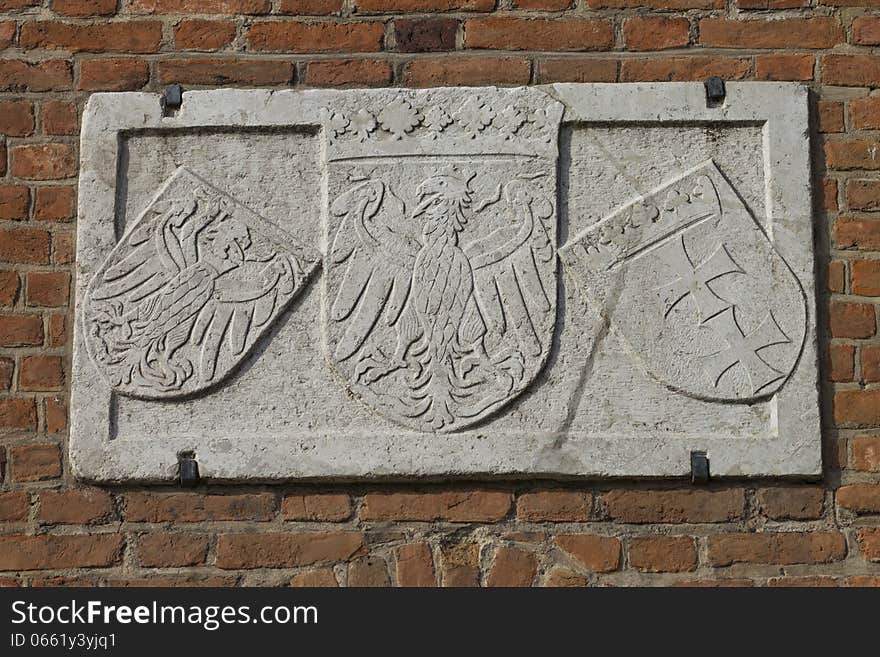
x,y
54,531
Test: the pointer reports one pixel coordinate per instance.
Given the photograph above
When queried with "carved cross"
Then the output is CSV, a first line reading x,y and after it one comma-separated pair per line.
x,y
743,349
694,280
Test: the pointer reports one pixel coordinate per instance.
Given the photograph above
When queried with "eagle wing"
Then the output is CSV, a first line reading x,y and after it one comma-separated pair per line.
x,y
378,255
507,280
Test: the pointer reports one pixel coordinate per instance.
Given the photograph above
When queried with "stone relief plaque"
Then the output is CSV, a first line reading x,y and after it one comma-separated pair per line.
x,y
554,281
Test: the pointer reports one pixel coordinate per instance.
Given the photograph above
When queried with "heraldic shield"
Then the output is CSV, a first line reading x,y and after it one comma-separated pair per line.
x,y
695,287
439,289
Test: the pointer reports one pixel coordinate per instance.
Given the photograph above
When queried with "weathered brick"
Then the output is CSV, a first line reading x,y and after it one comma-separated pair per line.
x,y
863,581
866,276
554,505
830,116
52,75
856,409
467,71
829,194
563,577
21,330
683,69
660,5
852,320
16,118
192,507
818,32
42,373
451,506
863,195
55,552
384,6
425,34
35,462
415,565
784,67
776,548
14,506
851,70
7,34
369,571
57,330
663,554
792,502
56,414
54,203
47,288
460,564
310,7
539,34
846,155
859,498
27,246
7,370
84,7
802,582
6,5
315,37
44,161
584,69
600,554
543,5
856,233
316,507
675,506
200,6
772,4
203,34
866,30
865,112
63,250
15,202
75,507
113,74
130,37
166,582
225,71
172,550
655,33
841,362
866,452
318,577
348,73
58,118
869,543
273,550
512,567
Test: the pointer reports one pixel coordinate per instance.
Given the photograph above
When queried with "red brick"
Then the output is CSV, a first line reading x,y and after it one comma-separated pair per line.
x,y
84,7
600,554
53,75
47,551
857,408
863,581
855,233
866,30
555,506
21,330
784,67
829,194
113,74
287,550
16,118
563,577
348,73
15,202
54,203
467,71
663,554
14,507
865,112
167,550
166,582
384,6
36,462
660,5
58,118
852,320
683,69
319,577
200,6
7,34
225,71
714,583
317,507
44,161
772,4
460,565
75,507
869,543
203,35
7,370
371,571
675,506
47,288
830,116
577,70
859,498
845,155
792,502
17,415
56,414
451,506
820,32
866,452
512,567
851,70
777,548
27,246
866,275
425,35
863,195
836,277
17,4
63,247
310,7
415,565
543,5
655,33
539,34
315,37
129,37
192,507
841,362
42,373
804,582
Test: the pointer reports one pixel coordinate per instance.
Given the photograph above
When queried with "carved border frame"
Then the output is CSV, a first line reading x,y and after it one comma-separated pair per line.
x,y
780,108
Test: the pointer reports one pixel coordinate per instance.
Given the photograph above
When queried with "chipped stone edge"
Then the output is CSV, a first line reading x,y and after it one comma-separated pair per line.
x,y
780,108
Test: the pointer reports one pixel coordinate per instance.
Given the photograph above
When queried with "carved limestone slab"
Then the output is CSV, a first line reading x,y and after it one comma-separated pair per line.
x,y
560,281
